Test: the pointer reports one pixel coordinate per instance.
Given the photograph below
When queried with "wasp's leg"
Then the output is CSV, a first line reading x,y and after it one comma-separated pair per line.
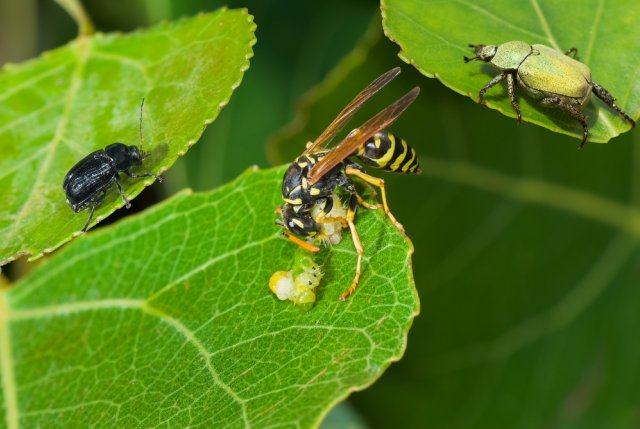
x,y
99,199
127,204
307,246
351,214
331,219
376,181
374,193
322,215
323,218
135,176
361,200
367,205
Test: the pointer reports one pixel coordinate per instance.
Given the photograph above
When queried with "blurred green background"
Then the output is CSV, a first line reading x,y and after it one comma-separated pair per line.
x,y
527,259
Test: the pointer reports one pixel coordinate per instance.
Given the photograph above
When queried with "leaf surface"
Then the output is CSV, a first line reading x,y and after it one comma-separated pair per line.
x,y
166,319
79,98
434,35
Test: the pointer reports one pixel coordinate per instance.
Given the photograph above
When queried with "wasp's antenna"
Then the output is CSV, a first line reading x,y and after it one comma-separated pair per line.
x,y
141,106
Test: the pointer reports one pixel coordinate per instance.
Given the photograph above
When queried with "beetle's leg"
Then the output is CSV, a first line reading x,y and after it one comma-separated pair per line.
x,y
94,204
127,204
609,99
493,82
351,214
376,181
571,110
573,51
512,95
135,176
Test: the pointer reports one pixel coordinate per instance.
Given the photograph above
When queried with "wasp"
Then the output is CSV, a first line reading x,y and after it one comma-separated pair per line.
x,y
310,182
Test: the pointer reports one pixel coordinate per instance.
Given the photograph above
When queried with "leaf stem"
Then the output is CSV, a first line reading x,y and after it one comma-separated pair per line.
x,y
79,15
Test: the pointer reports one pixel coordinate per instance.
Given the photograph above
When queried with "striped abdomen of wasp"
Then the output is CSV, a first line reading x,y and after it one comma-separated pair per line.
x,y
388,152
310,182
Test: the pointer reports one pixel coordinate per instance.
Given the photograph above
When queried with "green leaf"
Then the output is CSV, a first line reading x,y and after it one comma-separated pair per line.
x,y
528,254
434,35
71,101
166,319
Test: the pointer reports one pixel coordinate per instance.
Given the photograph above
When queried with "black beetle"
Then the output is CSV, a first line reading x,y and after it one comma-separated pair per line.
x,y
87,182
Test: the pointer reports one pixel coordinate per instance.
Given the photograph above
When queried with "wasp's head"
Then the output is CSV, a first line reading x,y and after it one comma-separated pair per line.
x,y
298,222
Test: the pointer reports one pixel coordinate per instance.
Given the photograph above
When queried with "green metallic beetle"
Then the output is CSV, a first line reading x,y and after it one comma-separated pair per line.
x,y
547,75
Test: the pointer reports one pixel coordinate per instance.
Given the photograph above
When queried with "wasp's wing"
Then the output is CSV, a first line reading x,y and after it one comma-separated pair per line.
x,y
355,104
355,138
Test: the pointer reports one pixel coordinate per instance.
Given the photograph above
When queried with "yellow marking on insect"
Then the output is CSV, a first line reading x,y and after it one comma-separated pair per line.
x,y
407,165
314,191
303,164
297,201
388,155
296,189
377,141
298,223
396,165
304,183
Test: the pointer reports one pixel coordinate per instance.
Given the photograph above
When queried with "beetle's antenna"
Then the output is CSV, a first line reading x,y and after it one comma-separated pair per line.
x,y
475,48
141,106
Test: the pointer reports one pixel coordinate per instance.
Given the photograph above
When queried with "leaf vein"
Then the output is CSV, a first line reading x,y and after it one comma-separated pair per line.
x,y
74,87
499,20
202,350
594,31
545,24
31,82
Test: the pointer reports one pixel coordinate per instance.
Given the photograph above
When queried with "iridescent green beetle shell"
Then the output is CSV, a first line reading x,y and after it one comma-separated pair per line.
x,y
543,71
510,55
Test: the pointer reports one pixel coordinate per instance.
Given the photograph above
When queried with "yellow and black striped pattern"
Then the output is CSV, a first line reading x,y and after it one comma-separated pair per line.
x,y
389,152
